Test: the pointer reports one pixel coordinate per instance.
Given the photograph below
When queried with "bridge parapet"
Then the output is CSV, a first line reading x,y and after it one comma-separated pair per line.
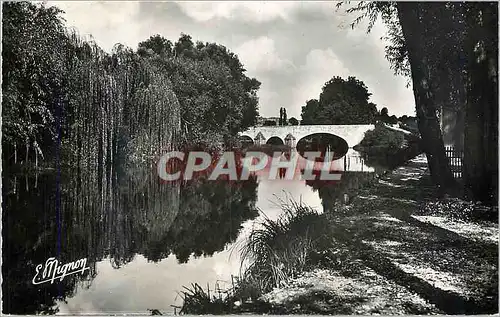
x,y
352,134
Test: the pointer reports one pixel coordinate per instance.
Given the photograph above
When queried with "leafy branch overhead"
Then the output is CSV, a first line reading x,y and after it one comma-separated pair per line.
x,y
449,52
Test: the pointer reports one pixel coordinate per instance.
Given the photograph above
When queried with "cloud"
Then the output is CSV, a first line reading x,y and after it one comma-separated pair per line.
x,y
107,22
324,61
293,48
259,56
320,66
251,11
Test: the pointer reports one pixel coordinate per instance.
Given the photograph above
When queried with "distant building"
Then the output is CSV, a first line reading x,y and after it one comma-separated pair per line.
x,y
261,120
276,119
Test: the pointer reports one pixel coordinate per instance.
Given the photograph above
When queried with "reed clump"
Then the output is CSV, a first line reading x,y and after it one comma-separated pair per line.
x,y
275,251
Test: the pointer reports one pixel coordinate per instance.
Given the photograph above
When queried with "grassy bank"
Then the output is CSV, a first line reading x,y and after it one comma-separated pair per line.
x,y
277,251
395,249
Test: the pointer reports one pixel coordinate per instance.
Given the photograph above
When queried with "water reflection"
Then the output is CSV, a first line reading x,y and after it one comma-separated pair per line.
x,y
155,285
144,240
29,237
116,219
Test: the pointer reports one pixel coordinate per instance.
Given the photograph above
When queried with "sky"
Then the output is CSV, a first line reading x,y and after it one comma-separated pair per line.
x,y
292,48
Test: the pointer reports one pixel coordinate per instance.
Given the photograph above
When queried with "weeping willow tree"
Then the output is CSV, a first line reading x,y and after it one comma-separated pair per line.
x,y
123,109
92,116
123,115
60,89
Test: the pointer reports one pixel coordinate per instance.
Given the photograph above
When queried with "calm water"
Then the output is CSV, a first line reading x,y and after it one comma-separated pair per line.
x,y
144,240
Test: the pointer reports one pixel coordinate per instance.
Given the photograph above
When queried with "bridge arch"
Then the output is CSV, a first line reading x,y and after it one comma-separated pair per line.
x,y
246,140
330,145
275,140
352,134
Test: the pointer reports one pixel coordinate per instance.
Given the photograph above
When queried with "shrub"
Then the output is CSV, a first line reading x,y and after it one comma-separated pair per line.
x,y
382,141
385,148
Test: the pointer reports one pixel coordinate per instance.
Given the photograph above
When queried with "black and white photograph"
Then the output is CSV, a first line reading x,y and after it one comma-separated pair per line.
x,y
249,157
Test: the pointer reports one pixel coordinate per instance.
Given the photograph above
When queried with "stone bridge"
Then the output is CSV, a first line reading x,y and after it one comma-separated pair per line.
x,y
291,135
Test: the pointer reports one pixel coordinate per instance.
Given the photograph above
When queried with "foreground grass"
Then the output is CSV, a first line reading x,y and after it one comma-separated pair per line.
x,y
396,249
280,249
277,250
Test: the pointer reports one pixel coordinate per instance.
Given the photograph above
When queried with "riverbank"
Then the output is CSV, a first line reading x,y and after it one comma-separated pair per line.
x,y
396,248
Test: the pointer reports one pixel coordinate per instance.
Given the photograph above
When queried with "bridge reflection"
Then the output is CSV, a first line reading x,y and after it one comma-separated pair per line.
x,y
352,161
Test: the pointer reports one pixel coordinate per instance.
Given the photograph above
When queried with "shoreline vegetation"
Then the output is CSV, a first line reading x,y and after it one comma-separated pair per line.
x,y
92,110
401,261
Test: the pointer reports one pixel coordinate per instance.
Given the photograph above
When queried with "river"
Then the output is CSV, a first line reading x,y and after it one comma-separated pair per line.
x,y
144,240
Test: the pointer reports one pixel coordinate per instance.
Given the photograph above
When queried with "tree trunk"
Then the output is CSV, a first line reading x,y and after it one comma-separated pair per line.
x,y
27,152
413,22
450,67
481,127
36,157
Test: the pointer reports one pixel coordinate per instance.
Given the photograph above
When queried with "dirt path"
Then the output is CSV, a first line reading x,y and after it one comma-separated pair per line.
x,y
397,249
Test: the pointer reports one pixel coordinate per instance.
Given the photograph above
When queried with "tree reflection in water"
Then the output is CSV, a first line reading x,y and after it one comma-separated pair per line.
x,y
118,217
333,193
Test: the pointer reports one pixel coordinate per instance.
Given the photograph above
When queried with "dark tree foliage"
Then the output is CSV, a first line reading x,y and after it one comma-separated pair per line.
x,y
217,98
309,111
449,50
184,47
34,42
383,116
384,148
156,44
269,123
382,141
293,121
341,102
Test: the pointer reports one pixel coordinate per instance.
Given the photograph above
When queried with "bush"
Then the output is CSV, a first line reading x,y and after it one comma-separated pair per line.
x,y
385,148
198,301
382,141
